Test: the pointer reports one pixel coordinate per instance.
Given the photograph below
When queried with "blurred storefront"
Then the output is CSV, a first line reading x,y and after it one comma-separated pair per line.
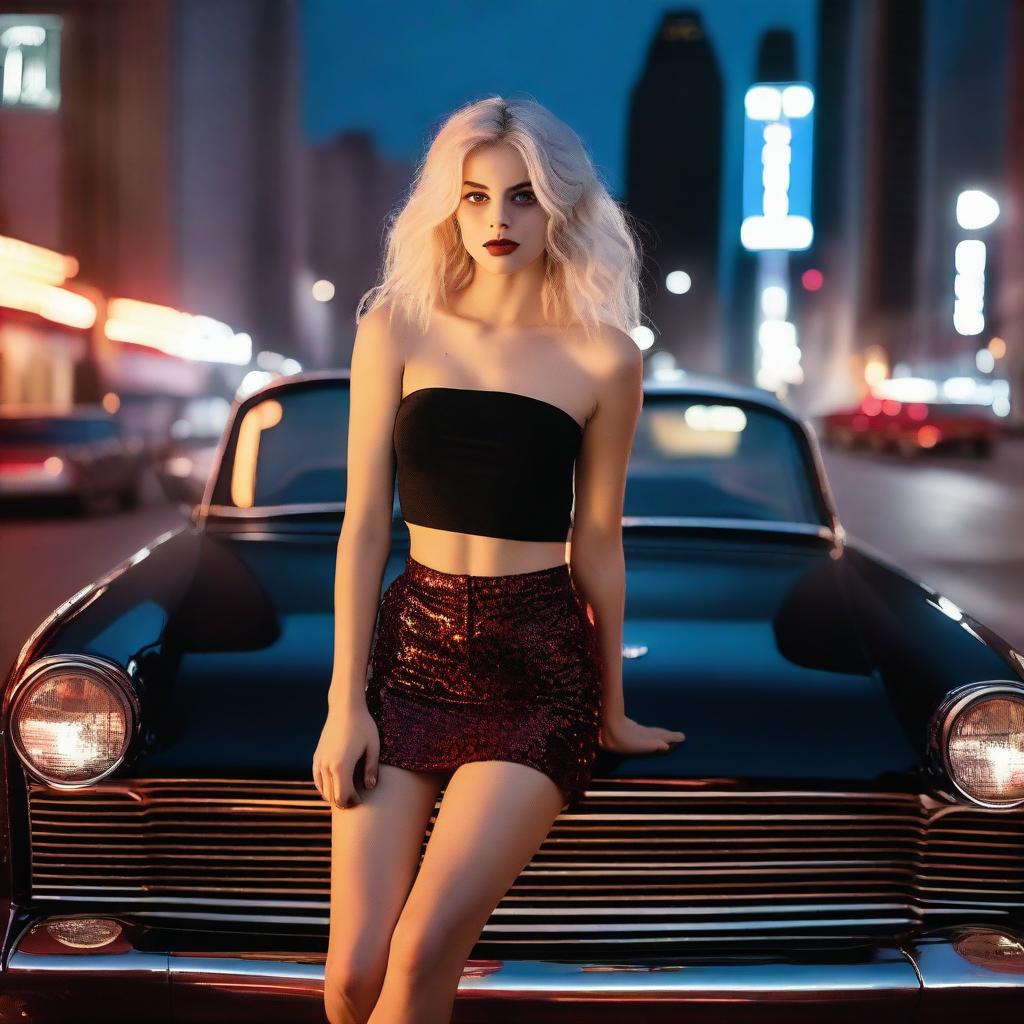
x,y
47,326
64,343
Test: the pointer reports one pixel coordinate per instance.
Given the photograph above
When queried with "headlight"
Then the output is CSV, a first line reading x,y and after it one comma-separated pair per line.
x,y
979,732
72,719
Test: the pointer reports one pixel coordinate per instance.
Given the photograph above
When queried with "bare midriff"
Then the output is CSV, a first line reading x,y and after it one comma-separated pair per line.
x,y
452,357
476,555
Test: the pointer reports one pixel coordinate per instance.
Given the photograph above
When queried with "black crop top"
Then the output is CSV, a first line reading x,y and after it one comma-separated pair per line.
x,y
494,463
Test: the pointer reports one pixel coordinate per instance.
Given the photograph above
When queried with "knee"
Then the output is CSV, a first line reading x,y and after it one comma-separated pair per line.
x,y
352,983
420,948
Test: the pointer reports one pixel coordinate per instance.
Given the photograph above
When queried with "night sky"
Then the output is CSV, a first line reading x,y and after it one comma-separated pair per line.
x,y
396,69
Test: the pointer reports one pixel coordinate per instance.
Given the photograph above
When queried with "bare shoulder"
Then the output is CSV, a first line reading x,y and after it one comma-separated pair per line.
x,y
621,350
378,354
379,336
380,323
621,366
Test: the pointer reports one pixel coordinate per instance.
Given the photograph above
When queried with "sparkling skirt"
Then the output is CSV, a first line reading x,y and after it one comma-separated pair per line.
x,y
480,668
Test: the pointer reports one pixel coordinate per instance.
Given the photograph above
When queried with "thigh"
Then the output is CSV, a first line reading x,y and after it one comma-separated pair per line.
x,y
375,849
493,817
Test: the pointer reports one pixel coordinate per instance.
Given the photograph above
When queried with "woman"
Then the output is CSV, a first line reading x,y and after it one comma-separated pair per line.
x,y
491,364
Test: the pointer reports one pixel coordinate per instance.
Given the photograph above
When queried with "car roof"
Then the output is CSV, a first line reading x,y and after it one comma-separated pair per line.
x,y
684,385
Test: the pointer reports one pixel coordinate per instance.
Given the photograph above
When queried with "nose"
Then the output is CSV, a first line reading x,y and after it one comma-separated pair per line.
x,y
500,217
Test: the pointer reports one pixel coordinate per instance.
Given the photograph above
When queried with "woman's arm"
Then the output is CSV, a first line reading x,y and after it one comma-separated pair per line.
x,y
365,540
596,560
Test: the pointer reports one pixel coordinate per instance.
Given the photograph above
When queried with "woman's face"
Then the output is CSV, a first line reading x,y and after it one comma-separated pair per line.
x,y
498,202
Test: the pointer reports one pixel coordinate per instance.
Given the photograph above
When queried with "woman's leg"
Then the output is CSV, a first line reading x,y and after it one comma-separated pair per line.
x,y
493,817
375,848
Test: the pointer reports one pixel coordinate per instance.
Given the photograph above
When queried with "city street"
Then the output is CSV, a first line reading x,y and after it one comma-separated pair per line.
x,y
949,520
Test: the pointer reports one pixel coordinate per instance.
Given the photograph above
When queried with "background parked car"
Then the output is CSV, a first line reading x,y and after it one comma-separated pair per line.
x,y
910,428
81,456
183,462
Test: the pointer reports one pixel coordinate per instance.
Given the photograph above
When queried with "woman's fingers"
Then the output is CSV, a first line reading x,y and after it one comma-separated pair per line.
x,y
370,771
345,794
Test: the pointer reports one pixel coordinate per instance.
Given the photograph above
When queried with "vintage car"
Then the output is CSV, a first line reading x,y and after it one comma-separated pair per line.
x,y
840,834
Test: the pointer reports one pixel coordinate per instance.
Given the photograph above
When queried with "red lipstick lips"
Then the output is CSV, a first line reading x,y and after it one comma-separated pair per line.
x,y
500,246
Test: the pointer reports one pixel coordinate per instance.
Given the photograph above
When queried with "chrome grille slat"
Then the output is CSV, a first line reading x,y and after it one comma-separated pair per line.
x,y
642,862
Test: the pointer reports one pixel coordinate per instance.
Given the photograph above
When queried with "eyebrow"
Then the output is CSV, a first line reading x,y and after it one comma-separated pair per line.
x,y
512,188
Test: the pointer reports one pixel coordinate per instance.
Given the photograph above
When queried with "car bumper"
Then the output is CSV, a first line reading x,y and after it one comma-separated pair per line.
x,y
166,975
35,485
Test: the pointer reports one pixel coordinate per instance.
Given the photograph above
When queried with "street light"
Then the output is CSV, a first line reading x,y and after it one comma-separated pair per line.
x,y
974,210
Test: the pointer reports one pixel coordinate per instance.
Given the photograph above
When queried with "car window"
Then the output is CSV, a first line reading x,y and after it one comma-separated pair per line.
x,y
288,448
690,457
699,457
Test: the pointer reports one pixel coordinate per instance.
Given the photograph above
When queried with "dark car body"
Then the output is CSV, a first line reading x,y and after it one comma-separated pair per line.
x,y
80,456
804,854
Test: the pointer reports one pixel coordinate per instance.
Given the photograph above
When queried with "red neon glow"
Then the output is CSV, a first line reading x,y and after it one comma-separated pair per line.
x,y
812,280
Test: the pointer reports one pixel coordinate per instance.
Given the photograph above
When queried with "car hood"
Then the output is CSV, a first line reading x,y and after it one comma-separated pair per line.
x,y
753,647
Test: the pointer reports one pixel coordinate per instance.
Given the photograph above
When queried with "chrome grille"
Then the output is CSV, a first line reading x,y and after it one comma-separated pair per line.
x,y
637,863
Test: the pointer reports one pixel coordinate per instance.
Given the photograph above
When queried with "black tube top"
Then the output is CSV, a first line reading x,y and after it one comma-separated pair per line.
x,y
493,463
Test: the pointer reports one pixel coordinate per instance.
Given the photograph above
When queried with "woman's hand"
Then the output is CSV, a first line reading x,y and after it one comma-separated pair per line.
x,y
347,734
622,735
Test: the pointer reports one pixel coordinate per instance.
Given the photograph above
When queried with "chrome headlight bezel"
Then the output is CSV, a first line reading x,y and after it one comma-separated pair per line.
x,y
108,674
955,703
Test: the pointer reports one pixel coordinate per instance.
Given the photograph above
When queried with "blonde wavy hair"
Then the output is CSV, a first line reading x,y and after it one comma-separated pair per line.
x,y
592,258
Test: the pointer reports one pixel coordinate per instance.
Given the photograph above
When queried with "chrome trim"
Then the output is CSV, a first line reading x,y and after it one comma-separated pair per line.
x,y
887,968
202,510
825,485
750,863
263,511
929,966
942,963
543,979
628,522
723,523
954,704
110,674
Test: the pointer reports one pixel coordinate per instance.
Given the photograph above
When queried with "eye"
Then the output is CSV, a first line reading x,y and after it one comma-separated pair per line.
x,y
531,198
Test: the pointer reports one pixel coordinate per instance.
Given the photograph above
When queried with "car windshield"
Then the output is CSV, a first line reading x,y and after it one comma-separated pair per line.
x,y
691,457
43,430
717,459
289,448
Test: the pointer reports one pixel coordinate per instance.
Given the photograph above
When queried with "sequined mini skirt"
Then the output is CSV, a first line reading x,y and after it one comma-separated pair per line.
x,y
479,668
